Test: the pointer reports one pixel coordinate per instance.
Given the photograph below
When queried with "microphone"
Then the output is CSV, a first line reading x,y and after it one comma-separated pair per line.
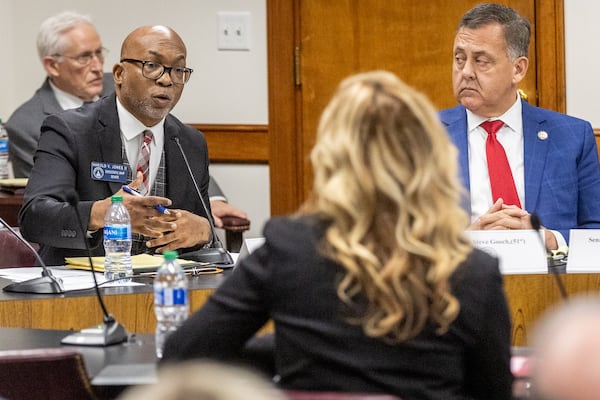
x,y
110,332
216,254
45,284
552,264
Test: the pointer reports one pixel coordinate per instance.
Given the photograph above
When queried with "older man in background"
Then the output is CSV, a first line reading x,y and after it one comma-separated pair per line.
x,y
71,52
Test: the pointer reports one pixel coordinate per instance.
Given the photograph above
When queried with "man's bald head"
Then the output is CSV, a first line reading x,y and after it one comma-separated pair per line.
x,y
567,351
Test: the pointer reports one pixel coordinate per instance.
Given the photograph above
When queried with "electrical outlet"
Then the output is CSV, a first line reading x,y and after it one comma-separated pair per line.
x,y
233,30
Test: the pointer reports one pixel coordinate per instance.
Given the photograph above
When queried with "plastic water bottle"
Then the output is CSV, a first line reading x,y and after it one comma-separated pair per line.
x,y
4,166
117,241
170,299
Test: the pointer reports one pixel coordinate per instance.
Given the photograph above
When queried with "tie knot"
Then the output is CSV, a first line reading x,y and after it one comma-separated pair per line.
x,y
148,136
491,127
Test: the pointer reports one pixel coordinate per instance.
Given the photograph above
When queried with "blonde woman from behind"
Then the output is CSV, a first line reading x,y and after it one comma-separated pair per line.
x,y
372,286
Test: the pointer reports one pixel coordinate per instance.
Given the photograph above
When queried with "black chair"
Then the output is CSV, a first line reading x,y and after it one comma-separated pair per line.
x,y
51,374
234,229
13,253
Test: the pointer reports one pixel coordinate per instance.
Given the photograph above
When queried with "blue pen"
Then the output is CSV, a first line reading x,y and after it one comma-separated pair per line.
x,y
134,192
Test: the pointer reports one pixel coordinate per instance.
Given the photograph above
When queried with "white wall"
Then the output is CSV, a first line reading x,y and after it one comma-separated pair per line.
x,y
583,59
227,87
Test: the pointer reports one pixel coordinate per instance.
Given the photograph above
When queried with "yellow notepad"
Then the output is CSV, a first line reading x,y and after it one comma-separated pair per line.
x,y
140,262
14,182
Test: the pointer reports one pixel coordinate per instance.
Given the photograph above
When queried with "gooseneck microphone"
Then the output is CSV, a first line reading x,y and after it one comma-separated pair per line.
x,y
110,332
216,254
45,284
536,225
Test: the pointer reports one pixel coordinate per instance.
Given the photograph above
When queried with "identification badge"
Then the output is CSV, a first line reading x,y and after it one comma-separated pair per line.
x,y
109,172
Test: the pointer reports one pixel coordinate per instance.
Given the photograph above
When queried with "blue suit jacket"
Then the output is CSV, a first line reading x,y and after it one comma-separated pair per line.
x,y
562,173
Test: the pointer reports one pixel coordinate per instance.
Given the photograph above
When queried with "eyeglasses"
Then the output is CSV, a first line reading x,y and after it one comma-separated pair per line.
x,y
86,58
154,70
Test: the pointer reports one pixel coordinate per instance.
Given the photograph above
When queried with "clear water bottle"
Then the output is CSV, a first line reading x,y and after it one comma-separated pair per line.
x,y
117,241
4,166
170,299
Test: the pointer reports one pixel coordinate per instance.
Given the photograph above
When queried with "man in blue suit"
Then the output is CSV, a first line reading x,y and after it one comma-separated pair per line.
x,y
552,157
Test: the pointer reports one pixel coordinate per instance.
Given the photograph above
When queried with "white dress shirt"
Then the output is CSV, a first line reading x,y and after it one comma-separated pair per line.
x,y
131,134
66,100
511,138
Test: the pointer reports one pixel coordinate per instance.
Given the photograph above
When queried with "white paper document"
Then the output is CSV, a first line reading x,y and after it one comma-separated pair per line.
x,y
584,250
72,279
519,251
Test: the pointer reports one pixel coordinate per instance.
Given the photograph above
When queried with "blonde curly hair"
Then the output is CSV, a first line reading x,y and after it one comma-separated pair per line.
x,y
386,178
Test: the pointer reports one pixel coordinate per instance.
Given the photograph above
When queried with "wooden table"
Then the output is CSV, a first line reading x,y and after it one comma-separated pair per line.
x,y
528,296
132,306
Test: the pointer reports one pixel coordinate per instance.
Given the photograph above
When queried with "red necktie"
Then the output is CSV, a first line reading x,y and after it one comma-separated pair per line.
x,y
501,179
143,164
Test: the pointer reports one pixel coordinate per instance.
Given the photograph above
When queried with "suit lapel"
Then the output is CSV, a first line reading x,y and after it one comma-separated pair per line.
x,y
174,164
455,120
535,147
109,135
48,99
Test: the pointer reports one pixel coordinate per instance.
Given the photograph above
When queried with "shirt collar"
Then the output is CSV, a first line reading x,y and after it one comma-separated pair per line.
x,y
132,127
511,118
66,100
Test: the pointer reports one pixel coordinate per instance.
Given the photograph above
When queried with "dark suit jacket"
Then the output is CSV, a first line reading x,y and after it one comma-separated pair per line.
x,y
70,141
287,281
23,126
562,173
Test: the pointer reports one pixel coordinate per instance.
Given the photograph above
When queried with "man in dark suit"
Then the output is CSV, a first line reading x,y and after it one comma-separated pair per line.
x,y
93,149
73,64
552,158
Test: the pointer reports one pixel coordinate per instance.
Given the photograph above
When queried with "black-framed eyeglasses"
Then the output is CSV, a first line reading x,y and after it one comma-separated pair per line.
x,y
86,58
154,70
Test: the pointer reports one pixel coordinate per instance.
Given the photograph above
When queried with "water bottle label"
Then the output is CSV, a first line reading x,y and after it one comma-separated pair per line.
x,y
117,232
171,297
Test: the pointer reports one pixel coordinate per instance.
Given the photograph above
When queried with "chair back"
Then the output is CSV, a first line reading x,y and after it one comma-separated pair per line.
x,y
51,374
13,253
316,395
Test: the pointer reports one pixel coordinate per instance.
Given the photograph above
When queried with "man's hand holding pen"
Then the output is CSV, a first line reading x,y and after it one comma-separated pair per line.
x,y
168,229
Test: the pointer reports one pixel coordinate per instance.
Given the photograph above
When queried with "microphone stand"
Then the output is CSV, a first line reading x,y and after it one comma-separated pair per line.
x,y
552,264
216,254
110,332
45,284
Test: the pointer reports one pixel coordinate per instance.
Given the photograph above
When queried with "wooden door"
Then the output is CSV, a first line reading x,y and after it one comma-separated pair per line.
x,y
314,44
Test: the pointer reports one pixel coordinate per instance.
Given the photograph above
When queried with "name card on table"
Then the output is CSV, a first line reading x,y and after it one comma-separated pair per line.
x,y
519,251
584,250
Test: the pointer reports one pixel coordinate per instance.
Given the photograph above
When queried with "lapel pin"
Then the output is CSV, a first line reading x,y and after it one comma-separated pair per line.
x,y
542,135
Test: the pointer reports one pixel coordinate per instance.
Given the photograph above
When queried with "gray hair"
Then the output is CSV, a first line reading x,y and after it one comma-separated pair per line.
x,y
50,36
516,28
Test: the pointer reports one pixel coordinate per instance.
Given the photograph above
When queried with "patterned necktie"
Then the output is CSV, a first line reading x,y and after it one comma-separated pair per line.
x,y
143,164
501,179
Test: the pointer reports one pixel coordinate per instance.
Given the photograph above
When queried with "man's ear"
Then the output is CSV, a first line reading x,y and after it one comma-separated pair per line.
x,y
520,69
118,74
51,66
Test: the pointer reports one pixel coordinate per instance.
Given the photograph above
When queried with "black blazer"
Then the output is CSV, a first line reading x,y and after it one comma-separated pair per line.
x,y
69,142
316,348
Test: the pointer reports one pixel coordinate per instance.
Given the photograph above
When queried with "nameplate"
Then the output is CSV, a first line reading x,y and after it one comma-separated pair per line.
x,y
109,172
519,251
584,250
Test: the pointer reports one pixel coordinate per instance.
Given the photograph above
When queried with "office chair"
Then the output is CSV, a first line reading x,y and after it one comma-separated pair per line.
x,y
51,374
316,395
234,228
13,253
